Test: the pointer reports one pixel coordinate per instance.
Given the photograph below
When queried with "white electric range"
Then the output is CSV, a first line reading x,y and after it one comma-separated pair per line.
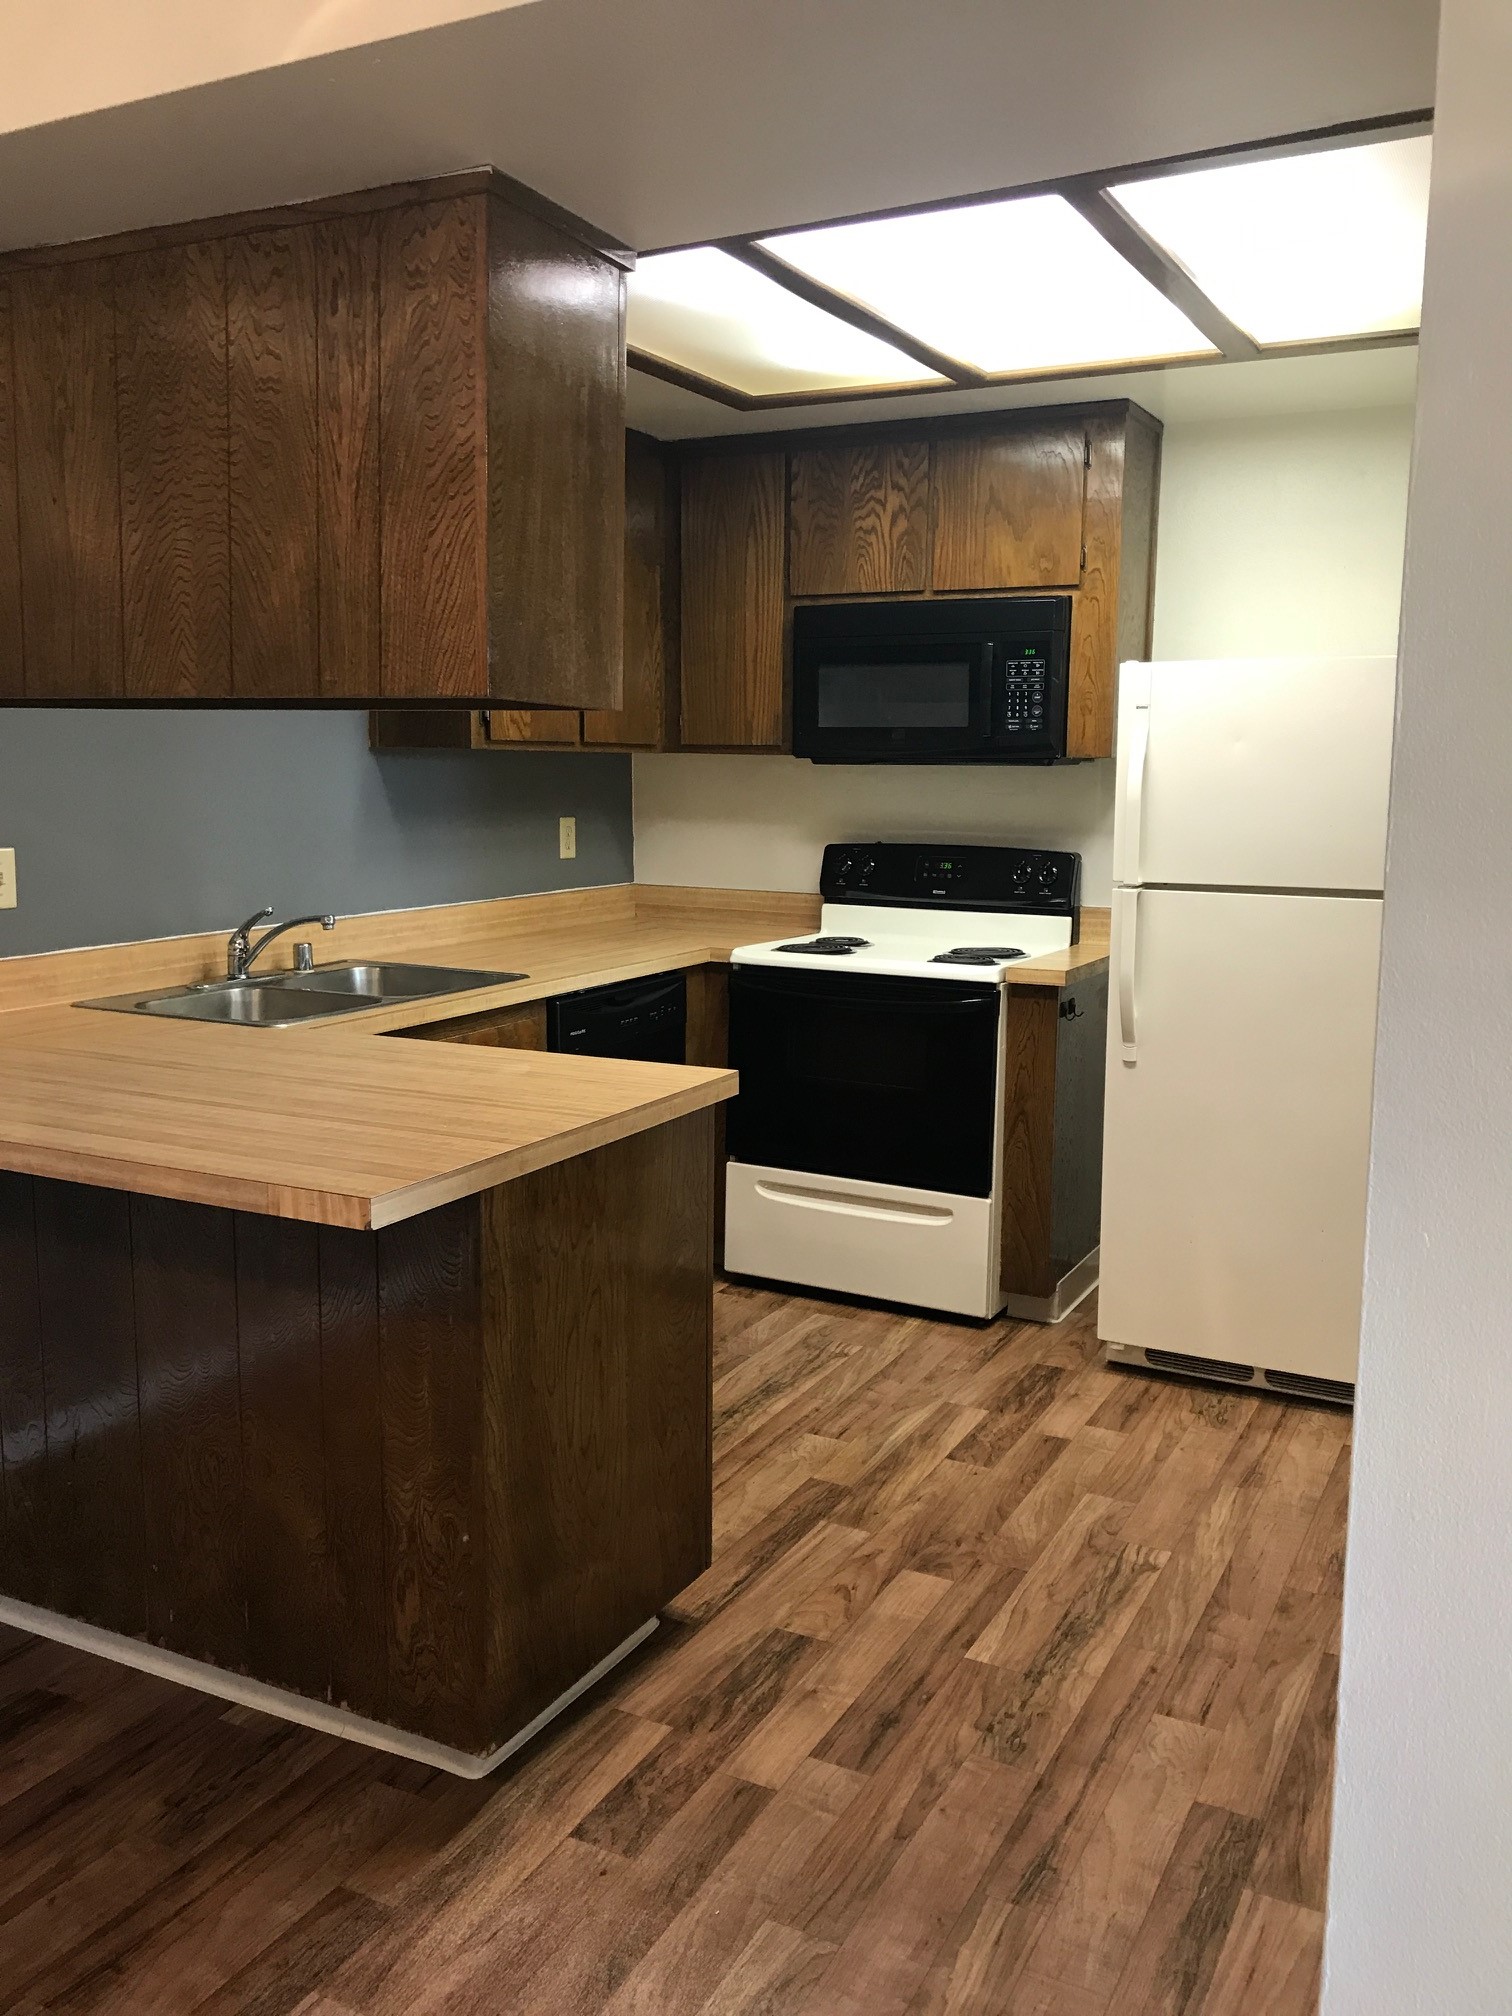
x,y
865,1150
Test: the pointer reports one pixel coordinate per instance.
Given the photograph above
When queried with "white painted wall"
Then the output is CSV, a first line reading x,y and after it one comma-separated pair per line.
x,y
1278,534
76,56
1420,1897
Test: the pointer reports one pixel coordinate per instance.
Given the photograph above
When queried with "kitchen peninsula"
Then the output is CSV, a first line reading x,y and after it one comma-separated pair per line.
x,y
361,1380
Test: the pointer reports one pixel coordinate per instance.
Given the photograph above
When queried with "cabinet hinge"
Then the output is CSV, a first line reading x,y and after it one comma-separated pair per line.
x,y
1086,451
1084,559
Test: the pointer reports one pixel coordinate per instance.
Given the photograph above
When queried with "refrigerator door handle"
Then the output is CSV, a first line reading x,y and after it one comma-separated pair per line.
x,y
1131,824
1128,954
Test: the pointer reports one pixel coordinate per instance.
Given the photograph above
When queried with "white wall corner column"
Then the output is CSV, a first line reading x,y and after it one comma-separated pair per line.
x,y
1420,1897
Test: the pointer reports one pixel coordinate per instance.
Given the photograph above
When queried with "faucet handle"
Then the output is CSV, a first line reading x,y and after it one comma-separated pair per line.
x,y
256,918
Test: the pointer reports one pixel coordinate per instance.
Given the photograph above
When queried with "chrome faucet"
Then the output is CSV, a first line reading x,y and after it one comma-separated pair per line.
x,y
241,950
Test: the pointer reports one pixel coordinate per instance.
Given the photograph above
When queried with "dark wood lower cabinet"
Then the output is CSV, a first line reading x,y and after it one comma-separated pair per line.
x,y
1052,1135
432,1474
518,1028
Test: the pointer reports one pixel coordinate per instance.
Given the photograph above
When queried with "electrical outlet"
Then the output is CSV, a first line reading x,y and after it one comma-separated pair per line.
x,y
7,878
567,838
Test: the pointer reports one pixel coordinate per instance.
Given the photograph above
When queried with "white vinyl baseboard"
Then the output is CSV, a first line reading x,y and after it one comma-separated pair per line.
x,y
291,1707
1070,1291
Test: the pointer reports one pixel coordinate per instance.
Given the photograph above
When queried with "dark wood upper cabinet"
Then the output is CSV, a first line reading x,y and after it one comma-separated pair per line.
x,y
648,717
272,307
362,449
859,519
170,335
734,543
1008,507
11,681
68,480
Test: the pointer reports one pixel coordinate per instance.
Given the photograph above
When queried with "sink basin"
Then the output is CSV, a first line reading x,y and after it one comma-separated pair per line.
x,y
259,1004
277,1000
390,981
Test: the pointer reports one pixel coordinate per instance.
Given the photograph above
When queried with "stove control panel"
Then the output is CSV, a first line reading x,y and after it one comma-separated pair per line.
x,y
913,875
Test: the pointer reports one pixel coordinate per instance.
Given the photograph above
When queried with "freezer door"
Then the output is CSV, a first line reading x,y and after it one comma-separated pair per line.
x,y
1238,1126
1254,773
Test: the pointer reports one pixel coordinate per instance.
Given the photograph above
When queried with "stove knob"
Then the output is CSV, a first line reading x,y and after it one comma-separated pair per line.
x,y
1049,876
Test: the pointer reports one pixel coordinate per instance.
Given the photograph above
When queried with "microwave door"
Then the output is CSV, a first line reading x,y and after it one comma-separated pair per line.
x,y
903,697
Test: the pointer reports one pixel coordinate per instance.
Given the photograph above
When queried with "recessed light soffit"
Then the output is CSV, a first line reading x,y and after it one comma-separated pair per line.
x,y
1307,245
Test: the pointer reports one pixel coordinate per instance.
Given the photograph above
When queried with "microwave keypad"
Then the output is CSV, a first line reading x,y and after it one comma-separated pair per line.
x,y
1024,696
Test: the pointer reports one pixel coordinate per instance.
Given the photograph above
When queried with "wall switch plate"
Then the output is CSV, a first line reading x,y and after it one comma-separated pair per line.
x,y
7,878
567,837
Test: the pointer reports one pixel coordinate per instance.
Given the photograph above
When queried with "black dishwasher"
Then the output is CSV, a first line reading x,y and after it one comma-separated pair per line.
x,y
647,1019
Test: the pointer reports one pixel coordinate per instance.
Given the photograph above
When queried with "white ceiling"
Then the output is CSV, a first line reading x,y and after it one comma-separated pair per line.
x,y
673,120
1181,393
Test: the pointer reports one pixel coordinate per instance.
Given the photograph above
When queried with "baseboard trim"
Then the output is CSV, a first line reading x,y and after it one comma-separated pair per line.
x,y
1070,1290
291,1707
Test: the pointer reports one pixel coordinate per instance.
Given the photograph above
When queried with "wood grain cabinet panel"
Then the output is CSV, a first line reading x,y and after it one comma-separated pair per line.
x,y
68,479
522,1027
170,335
12,666
539,727
1110,621
433,1473
433,455
1008,508
647,715
556,501
275,514
348,337
859,519
733,600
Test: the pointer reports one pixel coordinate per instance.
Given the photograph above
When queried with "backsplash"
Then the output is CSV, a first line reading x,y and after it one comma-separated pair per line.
x,y
150,823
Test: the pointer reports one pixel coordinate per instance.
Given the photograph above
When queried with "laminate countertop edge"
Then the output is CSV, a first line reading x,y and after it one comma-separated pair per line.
x,y
339,1123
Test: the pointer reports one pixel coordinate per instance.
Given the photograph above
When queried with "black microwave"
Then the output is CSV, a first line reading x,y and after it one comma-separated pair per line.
x,y
970,680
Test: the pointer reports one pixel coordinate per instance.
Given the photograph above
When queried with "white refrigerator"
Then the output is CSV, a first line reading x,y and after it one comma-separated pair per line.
x,y
1249,853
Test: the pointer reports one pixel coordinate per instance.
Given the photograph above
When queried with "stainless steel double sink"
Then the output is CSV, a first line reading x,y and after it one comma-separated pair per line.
x,y
280,1000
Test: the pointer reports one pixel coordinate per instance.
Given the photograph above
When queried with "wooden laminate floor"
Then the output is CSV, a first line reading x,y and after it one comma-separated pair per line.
x,y
1011,1690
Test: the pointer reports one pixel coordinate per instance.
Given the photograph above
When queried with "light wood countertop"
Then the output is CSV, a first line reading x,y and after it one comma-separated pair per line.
x,y
331,1123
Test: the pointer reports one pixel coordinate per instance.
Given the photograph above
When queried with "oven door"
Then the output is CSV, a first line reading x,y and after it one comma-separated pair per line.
x,y
860,698
892,1081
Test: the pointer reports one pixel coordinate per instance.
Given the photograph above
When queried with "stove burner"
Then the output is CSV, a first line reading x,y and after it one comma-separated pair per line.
x,y
827,948
977,955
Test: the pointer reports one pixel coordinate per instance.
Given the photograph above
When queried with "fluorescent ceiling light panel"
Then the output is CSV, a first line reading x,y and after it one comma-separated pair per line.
x,y
1019,286
1303,247
711,313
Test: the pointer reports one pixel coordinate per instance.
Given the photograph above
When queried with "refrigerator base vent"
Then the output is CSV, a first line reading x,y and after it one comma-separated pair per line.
x,y
1199,1368
1306,1387
1259,1379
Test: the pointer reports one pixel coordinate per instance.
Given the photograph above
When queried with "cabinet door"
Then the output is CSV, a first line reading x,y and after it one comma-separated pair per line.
x,y
170,317
733,610
68,479
12,664
1008,508
860,519
432,452
552,727
647,717
518,1028
556,446
348,338
271,319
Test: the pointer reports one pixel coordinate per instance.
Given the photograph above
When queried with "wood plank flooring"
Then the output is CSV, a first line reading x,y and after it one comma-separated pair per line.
x,y
1009,1693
